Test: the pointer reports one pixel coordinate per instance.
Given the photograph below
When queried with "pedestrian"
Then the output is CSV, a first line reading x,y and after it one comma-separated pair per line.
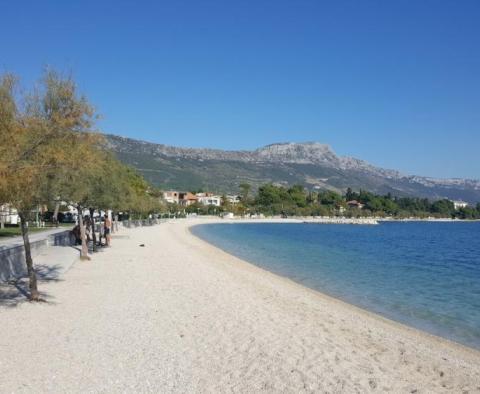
x,y
88,226
107,227
77,235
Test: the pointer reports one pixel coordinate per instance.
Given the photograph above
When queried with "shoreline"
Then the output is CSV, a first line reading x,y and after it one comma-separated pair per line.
x,y
163,310
329,219
319,293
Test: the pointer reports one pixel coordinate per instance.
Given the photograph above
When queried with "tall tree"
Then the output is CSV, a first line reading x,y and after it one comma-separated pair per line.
x,y
350,194
245,192
37,133
27,156
71,113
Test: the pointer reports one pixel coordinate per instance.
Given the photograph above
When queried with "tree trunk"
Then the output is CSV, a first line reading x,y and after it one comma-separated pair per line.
x,y
32,276
84,249
55,213
92,230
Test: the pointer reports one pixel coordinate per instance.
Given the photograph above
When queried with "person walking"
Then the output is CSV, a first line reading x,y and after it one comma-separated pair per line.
x,y
107,227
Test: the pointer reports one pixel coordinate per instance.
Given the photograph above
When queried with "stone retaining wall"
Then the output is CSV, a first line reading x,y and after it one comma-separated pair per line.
x,y
12,258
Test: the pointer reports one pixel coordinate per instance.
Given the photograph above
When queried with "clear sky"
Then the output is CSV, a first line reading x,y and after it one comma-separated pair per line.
x,y
396,83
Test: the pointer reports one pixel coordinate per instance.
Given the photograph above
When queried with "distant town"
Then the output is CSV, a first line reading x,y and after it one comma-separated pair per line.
x,y
270,200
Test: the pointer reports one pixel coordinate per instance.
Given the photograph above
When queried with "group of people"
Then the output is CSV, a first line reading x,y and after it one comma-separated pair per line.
x,y
105,231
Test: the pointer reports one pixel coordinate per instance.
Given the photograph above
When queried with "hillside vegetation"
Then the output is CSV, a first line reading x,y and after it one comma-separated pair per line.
x,y
312,165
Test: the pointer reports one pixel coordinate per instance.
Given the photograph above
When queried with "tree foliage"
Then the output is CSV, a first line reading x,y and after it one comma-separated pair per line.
x,y
296,200
49,153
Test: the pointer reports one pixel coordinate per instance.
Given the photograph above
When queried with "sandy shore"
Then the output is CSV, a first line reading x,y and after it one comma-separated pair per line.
x,y
179,315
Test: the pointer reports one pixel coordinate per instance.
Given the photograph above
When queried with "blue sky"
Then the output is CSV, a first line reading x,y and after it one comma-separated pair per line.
x,y
396,83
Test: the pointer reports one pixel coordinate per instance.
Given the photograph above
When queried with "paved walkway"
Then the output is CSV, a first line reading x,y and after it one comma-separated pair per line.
x,y
50,263
10,242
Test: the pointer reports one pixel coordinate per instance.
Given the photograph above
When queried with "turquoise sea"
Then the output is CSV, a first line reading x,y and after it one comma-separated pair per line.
x,y
424,274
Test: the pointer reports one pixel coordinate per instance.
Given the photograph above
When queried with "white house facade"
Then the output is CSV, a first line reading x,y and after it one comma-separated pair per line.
x,y
460,204
8,215
209,199
233,199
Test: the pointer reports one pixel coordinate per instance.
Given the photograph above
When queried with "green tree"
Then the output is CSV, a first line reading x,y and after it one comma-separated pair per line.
x,y
270,195
350,195
443,207
36,130
298,195
245,189
70,112
329,197
467,213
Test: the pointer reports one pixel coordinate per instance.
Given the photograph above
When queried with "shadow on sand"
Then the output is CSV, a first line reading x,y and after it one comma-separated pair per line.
x,y
16,291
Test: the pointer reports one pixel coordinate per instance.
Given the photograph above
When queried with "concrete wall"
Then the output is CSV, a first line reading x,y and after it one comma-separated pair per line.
x,y
12,258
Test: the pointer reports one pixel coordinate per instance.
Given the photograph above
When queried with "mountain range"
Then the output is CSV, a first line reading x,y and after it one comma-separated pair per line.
x,y
314,165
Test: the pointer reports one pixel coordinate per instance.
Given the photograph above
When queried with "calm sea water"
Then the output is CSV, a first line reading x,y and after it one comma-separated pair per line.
x,y
426,275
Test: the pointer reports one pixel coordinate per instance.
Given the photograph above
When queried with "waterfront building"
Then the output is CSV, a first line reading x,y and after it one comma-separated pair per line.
x,y
187,198
459,204
8,215
209,199
233,199
171,196
355,204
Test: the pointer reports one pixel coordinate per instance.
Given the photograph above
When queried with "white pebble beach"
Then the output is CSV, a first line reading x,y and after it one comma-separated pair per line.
x,y
179,315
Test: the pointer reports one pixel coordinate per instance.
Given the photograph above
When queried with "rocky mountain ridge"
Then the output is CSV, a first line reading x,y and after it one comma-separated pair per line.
x,y
311,163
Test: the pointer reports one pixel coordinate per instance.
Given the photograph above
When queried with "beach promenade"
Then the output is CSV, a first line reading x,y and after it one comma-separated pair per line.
x,y
179,315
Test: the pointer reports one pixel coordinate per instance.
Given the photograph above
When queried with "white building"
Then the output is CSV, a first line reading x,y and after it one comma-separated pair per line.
x,y
68,213
209,199
8,215
181,198
233,199
459,204
171,196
